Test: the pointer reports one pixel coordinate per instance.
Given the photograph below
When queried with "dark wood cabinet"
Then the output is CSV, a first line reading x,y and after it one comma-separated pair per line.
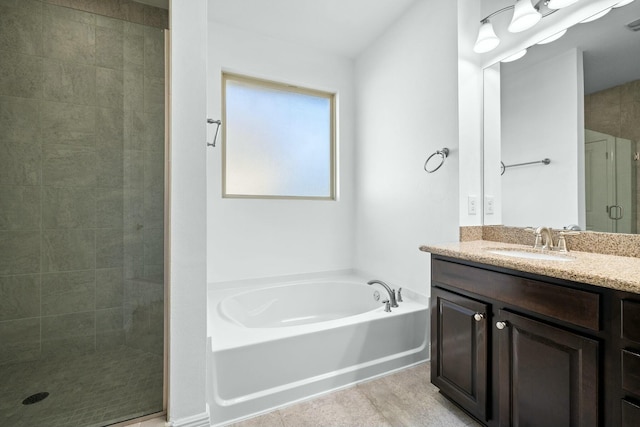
x,y
547,376
461,346
630,360
630,414
515,350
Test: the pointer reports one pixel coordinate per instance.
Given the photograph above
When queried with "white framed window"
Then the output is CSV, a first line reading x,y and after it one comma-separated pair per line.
x,y
278,140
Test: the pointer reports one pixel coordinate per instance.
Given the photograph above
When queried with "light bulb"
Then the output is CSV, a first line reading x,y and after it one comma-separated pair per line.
x,y
487,39
515,56
525,16
554,37
596,16
623,3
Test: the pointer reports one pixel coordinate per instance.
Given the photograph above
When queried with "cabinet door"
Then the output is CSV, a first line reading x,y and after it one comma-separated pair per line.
x,y
547,376
459,349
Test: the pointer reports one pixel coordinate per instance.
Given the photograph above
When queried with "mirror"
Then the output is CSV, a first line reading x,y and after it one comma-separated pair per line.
x,y
575,102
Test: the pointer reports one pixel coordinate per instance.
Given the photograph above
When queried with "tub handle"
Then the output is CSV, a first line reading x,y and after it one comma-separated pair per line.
x,y
399,298
387,306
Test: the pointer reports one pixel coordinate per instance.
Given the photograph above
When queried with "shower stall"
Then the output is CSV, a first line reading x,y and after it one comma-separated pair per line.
x,y
82,185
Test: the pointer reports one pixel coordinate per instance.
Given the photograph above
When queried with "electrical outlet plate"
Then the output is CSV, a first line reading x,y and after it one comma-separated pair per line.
x,y
489,205
472,204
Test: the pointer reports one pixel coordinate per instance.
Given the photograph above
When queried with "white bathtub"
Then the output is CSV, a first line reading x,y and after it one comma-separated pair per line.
x,y
274,344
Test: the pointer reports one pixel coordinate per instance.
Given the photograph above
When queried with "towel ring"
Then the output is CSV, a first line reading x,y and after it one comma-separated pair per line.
x,y
444,153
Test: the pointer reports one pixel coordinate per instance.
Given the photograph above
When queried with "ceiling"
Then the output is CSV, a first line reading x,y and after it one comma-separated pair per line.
x,y
342,27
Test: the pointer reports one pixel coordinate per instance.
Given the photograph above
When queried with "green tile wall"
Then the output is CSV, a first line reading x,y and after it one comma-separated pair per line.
x,y
81,177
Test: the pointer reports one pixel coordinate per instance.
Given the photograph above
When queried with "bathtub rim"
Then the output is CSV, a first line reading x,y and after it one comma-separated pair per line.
x,y
225,334
226,316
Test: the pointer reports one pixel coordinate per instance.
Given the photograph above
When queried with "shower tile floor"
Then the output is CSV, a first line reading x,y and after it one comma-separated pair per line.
x,y
85,391
405,398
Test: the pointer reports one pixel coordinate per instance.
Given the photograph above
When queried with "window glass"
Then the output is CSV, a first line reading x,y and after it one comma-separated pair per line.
x,y
278,140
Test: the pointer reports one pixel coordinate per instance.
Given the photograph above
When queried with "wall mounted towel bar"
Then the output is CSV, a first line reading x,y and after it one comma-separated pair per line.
x,y
504,167
214,122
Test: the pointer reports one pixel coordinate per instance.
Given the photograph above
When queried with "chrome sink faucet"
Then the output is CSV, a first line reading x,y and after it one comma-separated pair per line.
x,y
391,292
544,239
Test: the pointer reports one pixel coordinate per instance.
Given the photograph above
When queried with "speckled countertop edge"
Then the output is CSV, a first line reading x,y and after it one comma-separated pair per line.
x,y
608,271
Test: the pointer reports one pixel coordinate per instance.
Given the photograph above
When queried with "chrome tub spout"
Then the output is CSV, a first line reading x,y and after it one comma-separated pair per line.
x,y
392,292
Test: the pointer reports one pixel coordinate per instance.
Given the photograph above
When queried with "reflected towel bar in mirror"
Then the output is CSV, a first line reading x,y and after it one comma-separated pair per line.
x,y
504,167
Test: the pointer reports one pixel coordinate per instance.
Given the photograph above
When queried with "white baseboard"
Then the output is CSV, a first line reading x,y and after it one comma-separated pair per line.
x,y
199,420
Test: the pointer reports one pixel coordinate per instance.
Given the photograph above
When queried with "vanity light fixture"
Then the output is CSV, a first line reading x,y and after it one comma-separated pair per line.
x,y
559,4
596,16
487,39
622,3
525,15
515,56
554,37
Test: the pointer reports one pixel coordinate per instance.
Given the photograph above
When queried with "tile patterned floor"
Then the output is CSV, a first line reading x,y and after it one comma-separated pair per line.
x,y
402,399
155,422
91,390
100,388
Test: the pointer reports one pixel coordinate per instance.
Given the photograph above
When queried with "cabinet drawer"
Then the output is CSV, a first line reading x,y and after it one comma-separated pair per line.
x,y
580,308
630,320
631,372
630,414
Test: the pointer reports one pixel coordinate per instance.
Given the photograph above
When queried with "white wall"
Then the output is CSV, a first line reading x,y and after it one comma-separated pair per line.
x,y
188,222
470,112
534,129
260,238
492,180
407,98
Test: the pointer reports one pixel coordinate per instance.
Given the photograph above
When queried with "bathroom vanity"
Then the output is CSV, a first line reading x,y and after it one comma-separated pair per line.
x,y
539,343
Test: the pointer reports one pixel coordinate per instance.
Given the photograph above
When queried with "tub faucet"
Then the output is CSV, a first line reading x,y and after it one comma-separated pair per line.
x,y
392,292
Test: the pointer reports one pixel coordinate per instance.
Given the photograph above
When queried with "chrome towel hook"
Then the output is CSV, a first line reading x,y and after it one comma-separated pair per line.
x,y
214,122
444,153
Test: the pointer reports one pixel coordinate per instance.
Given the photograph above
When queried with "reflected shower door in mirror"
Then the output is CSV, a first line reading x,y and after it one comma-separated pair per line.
x,y
576,102
610,183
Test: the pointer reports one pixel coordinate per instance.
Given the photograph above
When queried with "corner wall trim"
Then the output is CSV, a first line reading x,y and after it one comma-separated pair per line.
x,y
200,420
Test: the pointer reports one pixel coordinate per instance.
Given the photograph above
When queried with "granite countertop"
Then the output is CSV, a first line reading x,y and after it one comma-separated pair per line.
x,y
609,271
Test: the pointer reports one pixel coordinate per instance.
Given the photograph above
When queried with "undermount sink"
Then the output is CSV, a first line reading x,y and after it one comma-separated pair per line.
x,y
531,254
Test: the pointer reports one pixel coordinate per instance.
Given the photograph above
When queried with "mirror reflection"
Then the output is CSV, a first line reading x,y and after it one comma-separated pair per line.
x,y
562,130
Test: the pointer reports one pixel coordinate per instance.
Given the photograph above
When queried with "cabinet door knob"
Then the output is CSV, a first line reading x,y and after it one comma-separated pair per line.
x,y
478,317
501,325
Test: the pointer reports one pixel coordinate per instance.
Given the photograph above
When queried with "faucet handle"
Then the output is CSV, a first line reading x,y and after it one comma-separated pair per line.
x,y
538,242
387,306
562,242
399,298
